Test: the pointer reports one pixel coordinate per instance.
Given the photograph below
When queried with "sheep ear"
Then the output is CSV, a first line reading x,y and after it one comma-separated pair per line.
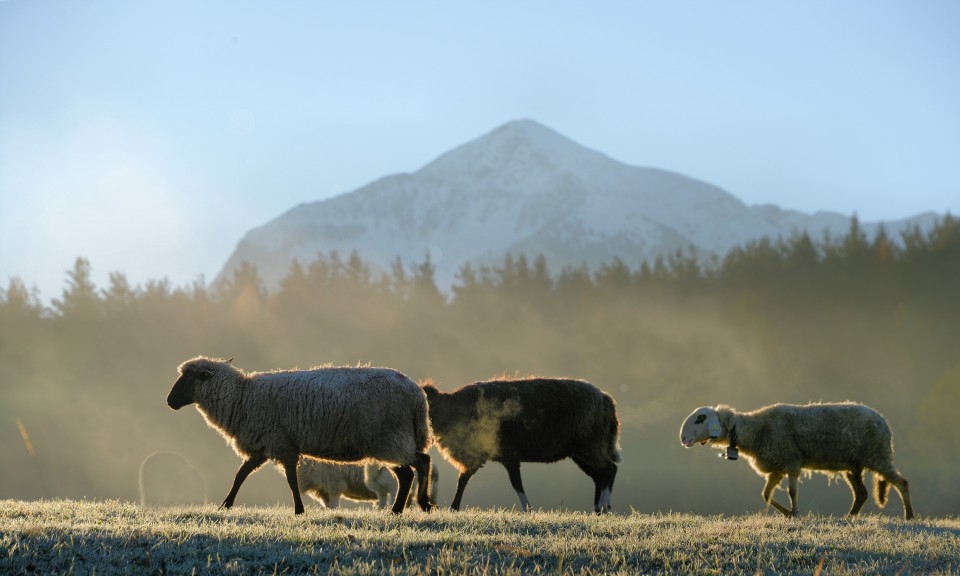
x,y
714,429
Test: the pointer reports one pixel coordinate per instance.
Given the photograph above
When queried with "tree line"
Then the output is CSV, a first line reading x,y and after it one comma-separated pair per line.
x,y
917,262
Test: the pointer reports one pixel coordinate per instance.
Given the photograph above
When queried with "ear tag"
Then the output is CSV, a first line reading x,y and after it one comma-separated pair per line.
x,y
731,453
714,429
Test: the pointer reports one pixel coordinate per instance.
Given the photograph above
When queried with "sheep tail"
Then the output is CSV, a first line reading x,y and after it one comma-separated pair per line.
x,y
421,428
880,490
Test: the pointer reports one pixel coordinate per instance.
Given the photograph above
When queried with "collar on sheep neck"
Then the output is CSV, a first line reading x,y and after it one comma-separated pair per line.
x,y
732,453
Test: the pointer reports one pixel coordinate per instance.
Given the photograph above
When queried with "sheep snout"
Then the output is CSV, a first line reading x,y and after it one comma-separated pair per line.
x,y
689,442
182,392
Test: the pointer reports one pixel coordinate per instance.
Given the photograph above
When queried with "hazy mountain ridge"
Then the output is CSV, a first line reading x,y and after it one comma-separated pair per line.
x,y
524,188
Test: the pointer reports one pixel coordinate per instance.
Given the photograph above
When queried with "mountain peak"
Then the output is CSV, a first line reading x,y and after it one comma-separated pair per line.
x,y
531,131
516,149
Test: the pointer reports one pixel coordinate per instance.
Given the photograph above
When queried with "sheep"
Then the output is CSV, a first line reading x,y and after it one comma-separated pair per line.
x,y
528,420
783,439
335,414
327,482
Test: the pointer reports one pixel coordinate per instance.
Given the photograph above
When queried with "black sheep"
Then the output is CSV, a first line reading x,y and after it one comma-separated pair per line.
x,y
528,420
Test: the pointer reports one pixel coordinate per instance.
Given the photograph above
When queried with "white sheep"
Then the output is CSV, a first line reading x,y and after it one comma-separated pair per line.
x,y
335,414
327,483
783,439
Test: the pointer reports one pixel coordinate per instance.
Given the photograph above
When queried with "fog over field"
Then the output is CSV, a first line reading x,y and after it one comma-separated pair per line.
x,y
796,321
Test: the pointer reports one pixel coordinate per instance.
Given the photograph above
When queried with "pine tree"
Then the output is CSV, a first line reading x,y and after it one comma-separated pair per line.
x,y
80,299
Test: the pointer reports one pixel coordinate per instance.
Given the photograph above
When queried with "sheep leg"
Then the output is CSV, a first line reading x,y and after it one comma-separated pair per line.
x,y
333,501
249,466
386,494
602,481
422,465
773,480
513,470
404,480
855,480
609,474
324,498
903,487
792,490
290,468
595,476
786,511
461,485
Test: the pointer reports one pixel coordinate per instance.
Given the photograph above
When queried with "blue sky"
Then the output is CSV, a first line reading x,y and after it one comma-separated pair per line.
x,y
149,136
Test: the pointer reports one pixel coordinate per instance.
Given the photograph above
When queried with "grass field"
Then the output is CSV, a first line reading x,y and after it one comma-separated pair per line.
x,y
110,537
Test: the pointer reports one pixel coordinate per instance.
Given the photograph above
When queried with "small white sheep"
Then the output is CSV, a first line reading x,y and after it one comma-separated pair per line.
x,y
783,439
327,483
355,415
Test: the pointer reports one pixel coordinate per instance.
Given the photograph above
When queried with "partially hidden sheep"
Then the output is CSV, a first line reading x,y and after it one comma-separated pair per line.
x,y
327,483
528,420
784,439
355,415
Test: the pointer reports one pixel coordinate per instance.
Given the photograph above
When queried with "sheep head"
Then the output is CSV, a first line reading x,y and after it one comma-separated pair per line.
x,y
193,373
700,426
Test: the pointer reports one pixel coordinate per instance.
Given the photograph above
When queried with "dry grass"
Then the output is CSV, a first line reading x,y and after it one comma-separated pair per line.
x,y
84,537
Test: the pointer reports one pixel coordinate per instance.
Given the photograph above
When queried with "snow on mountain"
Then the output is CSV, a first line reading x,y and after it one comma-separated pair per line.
x,y
524,188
